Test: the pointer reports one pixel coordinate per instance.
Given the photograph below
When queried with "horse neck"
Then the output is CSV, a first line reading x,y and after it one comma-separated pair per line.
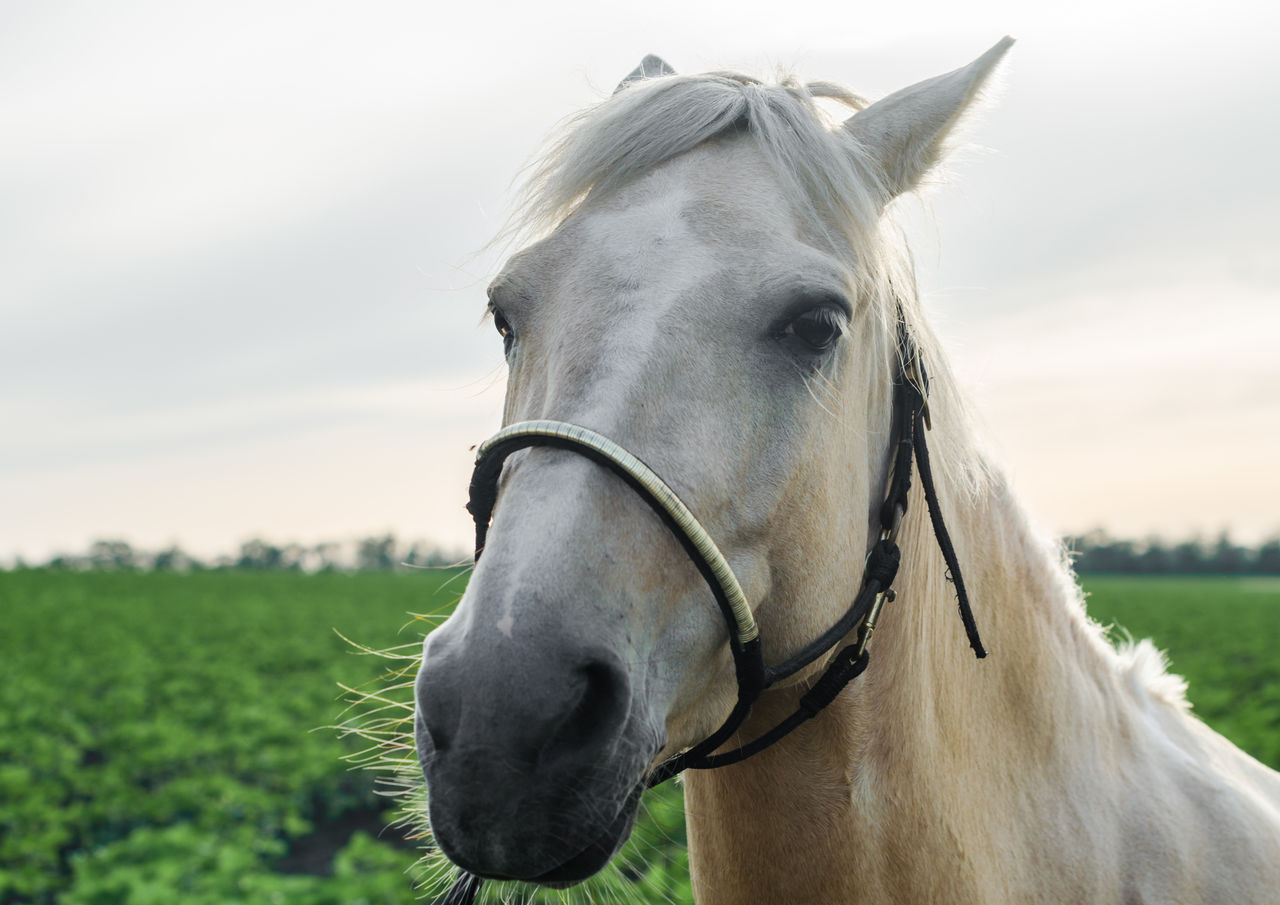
x,y
874,799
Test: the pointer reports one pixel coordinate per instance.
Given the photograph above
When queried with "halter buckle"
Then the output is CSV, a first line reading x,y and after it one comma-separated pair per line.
x,y
890,532
873,616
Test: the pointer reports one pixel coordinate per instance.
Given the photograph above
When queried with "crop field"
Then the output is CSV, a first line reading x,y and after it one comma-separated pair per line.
x,y
161,735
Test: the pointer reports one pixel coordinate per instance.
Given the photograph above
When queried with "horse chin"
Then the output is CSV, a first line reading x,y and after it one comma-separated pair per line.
x,y
575,868
591,860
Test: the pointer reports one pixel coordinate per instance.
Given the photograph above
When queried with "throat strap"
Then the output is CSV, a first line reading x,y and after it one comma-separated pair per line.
x,y
948,551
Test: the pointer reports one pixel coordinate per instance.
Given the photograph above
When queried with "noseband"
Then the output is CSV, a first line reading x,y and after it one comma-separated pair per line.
x,y
910,423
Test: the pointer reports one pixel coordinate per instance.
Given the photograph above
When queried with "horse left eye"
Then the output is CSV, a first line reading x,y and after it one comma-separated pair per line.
x,y
503,326
817,329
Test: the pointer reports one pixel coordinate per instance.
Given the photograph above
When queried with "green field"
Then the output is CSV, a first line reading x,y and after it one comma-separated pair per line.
x,y
1221,634
159,737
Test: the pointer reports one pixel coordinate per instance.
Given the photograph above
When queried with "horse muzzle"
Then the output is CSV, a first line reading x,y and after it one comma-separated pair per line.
x,y
534,764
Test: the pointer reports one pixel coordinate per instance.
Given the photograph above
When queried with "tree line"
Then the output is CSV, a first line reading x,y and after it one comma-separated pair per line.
x,y
1092,553
381,553
1098,552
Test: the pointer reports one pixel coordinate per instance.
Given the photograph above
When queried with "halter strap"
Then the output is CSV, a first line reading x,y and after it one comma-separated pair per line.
x,y
910,423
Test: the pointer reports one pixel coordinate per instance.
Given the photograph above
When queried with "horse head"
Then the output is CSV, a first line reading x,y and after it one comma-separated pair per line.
x,y
714,288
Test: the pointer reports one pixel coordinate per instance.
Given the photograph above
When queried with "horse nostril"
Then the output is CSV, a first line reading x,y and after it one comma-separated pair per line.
x,y
438,738
600,709
517,719
437,711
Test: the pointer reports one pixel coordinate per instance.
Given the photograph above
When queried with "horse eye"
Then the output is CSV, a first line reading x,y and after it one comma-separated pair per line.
x,y
503,326
816,329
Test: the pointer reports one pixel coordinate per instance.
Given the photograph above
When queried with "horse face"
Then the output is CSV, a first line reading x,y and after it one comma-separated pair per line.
x,y
687,318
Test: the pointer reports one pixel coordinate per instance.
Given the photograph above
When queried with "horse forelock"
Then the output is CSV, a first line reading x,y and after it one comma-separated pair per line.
x,y
830,180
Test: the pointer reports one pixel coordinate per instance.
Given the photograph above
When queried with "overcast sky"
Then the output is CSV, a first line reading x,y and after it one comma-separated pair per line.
x,y
240,284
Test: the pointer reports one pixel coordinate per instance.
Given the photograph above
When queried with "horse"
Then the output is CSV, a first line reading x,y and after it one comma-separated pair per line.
x,y
716,293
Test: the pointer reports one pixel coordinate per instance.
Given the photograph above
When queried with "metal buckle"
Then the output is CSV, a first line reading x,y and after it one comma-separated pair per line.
x,y
873,616
891,533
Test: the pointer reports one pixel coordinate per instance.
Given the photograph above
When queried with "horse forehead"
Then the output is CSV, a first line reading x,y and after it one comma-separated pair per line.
x,y
644,240
710,211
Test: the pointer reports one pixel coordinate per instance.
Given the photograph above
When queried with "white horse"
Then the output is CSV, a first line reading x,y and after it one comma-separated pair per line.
x,y
718,289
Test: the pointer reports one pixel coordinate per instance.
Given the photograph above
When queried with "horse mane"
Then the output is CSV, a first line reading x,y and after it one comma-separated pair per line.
x,y
1147,669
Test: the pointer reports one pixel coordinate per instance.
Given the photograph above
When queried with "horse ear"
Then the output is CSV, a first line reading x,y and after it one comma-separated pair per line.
x,y
905,131
651,67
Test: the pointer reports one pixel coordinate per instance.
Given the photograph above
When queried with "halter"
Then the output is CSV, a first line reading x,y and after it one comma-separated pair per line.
x,y
910,423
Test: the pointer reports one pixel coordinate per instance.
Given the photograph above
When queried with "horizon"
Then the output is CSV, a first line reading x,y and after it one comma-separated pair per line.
x,y
408,550
1089,553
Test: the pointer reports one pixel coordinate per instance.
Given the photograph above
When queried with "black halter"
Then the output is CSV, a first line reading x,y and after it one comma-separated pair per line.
x,y
910,423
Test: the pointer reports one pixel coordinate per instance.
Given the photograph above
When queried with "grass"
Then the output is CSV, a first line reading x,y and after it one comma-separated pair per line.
x,y
158,743
1220,634
157,734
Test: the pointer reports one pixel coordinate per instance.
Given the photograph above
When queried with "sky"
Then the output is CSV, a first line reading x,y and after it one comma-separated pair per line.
x,y
242,249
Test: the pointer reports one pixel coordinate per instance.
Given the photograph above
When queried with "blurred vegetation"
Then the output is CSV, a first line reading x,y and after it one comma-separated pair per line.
x,y
1093,553
157,743
380,553
157,737
1221,635
1098,553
